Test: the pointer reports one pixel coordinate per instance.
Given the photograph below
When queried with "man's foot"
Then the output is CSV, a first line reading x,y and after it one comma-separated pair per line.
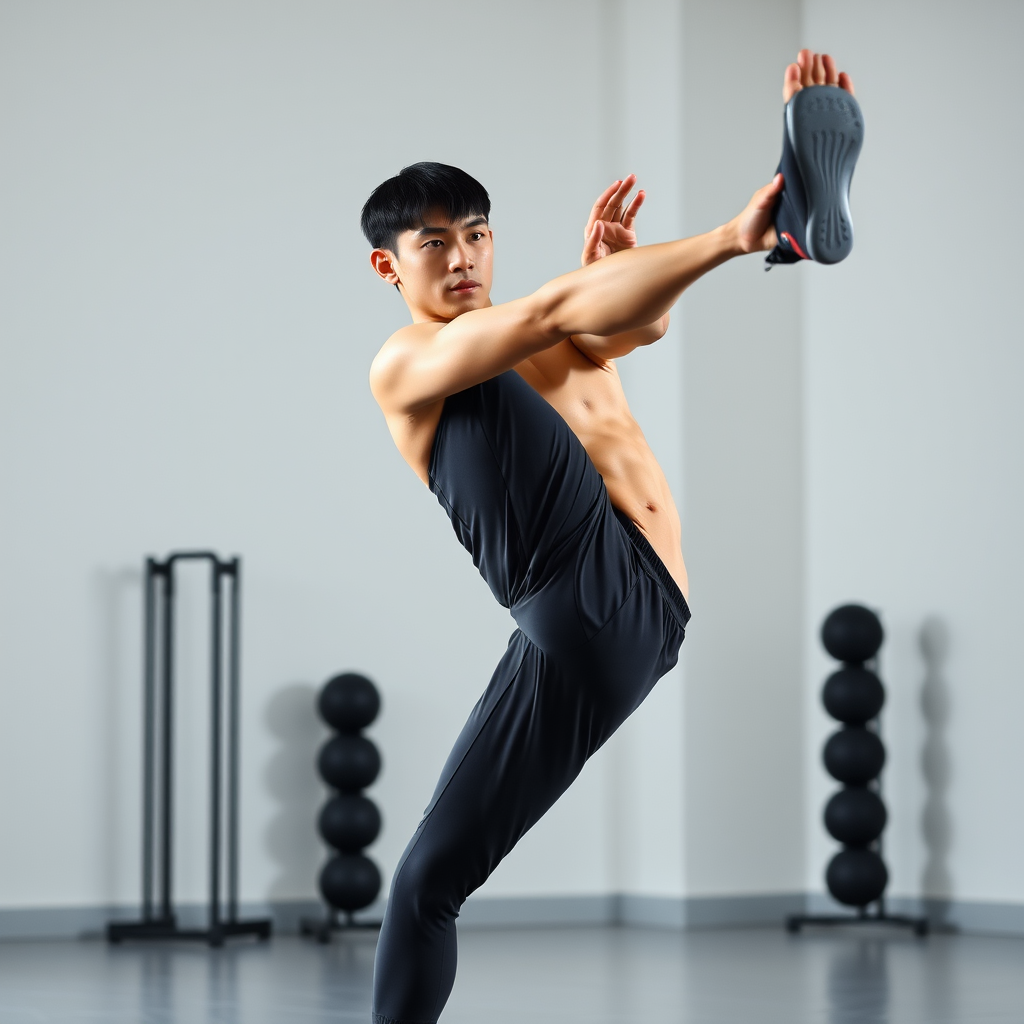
x,y
822,138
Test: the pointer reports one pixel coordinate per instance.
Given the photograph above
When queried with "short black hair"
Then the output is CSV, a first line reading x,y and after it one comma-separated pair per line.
x,y
399,203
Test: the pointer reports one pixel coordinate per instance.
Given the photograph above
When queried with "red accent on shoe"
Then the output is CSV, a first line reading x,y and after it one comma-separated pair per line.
x,y
796,248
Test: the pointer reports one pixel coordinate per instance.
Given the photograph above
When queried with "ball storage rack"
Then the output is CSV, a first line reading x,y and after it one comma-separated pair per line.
x,y
350,821
158,919
874,912
876,915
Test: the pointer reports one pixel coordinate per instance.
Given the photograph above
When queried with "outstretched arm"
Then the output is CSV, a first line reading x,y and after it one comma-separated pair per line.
x,y
624,291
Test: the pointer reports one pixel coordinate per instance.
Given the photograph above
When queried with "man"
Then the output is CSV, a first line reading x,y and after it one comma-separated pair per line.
x,y
515,418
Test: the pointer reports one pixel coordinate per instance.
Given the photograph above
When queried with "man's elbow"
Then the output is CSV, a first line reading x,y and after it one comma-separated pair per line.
x,y
654,332
545,312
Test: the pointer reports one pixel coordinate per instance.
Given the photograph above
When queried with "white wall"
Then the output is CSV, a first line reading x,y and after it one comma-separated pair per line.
x,y
643,93
742,511
914,422
187,321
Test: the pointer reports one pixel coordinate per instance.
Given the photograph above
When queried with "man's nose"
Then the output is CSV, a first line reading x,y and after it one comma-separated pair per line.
x,y
459,258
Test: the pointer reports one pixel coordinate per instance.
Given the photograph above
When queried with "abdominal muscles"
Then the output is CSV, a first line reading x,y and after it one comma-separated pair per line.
x,y
590,399
637,486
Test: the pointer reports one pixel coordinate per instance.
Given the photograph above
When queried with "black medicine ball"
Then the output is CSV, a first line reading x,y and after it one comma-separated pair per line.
x,y
854,755
853,695
350,881
856,877
855,816
348,763
852,633
348,822
349,702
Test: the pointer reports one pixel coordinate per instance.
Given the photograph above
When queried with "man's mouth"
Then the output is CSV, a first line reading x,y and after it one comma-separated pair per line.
x,y
465,286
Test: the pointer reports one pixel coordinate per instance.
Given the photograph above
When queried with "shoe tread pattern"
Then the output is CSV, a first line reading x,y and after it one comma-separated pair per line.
x,y
826,131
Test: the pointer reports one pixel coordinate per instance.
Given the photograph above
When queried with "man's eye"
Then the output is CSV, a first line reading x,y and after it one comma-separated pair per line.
x,y
432,244
476,236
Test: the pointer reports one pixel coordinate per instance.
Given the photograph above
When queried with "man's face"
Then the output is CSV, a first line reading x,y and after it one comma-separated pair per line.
x,y
442,269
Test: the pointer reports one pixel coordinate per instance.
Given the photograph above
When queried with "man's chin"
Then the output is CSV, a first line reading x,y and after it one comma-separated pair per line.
x,y
462,302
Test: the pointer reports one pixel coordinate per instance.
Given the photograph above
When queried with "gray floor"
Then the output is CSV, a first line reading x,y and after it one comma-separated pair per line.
x,y
589,975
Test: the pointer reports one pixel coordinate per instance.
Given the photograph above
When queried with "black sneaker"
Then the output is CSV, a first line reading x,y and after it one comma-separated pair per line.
x,y
824,130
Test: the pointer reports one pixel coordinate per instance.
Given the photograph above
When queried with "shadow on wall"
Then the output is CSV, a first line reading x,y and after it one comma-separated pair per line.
x,y
291,779
936,824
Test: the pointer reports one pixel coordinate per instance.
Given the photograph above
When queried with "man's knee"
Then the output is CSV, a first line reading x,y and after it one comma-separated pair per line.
x,y
425,887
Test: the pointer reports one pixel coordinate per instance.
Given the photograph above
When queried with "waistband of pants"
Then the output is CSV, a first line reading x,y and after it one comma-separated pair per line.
x,y
655,568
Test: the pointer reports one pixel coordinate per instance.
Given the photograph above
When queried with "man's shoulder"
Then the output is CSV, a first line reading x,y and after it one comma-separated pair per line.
x,y
394,355
406,338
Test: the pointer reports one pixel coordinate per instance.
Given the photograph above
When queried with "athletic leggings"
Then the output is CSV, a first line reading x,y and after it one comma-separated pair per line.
x,y
600,621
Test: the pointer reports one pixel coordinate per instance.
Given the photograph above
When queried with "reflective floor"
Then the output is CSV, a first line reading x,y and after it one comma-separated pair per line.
x,y
589,975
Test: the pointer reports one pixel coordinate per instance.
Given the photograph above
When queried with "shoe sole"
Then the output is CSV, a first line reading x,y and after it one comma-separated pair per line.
x,y
826,131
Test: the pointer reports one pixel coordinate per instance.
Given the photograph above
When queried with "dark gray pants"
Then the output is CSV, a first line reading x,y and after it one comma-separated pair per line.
x,y
600,621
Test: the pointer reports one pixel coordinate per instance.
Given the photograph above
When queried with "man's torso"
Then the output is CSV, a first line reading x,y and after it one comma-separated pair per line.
x,y
589,397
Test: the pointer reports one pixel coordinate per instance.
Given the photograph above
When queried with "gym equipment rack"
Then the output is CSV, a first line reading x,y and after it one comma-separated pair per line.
x,y
853,634
158,920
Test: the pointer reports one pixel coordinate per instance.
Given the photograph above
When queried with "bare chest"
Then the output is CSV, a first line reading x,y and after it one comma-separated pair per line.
x,y
587,395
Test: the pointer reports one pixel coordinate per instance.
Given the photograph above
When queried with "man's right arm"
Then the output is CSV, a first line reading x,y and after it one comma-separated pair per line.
x,y
425,362
625,291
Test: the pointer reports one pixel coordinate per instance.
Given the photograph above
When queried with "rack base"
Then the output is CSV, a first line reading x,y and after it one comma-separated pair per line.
x,y
166,928
919,925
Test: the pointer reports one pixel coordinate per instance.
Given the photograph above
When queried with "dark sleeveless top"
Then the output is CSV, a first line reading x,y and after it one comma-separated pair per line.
x,y
515,481
528,504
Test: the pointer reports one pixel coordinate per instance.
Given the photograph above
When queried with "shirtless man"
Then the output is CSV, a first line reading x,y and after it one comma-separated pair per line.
x,y
515,417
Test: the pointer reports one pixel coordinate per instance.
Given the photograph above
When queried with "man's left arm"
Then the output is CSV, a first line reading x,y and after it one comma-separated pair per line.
x,y
610,228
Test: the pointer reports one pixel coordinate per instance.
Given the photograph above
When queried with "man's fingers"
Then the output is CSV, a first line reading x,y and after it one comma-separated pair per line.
x,y
610,208
602,199
819,70
765,196
619,197
592,242
598,208
629,216
846,82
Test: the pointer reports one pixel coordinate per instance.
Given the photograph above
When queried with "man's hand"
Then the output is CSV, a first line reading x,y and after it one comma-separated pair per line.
x,y
753,228
610,227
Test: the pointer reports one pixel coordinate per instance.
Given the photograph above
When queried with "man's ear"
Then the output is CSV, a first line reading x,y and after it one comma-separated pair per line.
x,y
384,264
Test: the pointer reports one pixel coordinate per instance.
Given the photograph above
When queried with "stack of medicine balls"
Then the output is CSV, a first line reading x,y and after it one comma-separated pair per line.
x,y
349,821
855,756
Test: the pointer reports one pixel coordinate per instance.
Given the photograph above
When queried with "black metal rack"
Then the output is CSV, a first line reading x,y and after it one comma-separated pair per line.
x,y
862,915
855,695
880,916
158,920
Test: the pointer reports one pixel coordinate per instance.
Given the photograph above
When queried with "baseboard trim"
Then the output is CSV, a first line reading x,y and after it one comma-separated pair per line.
x,y
536,911
678,913
91,922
